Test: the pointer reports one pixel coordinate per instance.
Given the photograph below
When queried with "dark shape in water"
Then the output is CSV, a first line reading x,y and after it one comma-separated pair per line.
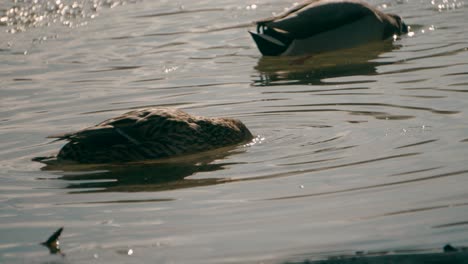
x,y
147,176
323,25
449,248
53,243
313,69
151,133
453,256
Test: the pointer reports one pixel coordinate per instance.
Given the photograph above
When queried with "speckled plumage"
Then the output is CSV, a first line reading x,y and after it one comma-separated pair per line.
x,y
150,133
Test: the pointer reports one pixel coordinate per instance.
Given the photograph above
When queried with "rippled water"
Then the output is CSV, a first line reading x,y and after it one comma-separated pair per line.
x,y
357,150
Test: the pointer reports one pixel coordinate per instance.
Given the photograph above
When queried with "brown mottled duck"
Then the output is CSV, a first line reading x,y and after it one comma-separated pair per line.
x,y
150,133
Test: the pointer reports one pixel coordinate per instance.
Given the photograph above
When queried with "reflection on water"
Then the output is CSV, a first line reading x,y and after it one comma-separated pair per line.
x,y
145,176
313,69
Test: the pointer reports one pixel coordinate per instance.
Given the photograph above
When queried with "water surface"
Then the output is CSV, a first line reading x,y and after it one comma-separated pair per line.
x,y
357,150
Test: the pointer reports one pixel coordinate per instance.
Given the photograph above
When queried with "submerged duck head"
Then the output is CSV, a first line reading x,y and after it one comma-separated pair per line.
x,y
403,28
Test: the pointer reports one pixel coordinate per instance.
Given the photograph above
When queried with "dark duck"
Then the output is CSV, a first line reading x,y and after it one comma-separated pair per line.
x,y
324,25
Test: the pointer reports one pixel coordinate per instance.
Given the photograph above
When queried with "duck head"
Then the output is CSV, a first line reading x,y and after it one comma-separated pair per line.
x,y
223,131
400,24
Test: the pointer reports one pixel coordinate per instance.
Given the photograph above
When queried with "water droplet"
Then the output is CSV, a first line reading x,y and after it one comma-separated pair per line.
x,y
301,186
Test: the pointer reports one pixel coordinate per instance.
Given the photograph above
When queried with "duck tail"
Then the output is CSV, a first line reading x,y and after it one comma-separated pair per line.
x,y
271,41
45,159
53,243
268,45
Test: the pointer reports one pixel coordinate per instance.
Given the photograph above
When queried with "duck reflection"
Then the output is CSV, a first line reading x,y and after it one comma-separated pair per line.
x,y
145,176
313,69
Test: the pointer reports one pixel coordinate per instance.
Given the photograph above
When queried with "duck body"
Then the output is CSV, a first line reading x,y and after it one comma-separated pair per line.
x,y
323,25
150,133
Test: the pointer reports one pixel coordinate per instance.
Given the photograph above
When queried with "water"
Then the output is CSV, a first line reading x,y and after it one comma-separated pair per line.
x,y
361,150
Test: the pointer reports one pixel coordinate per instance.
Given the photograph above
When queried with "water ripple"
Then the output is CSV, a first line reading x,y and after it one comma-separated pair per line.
x,y
452,224
417,143
437,176
417,210
445,112
180,12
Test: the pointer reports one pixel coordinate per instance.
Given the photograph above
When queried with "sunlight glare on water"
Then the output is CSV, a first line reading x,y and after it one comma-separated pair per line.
x,y
355,150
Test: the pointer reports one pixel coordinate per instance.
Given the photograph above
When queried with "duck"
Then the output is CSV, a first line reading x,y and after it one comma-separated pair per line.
x,y
150,133
316,26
